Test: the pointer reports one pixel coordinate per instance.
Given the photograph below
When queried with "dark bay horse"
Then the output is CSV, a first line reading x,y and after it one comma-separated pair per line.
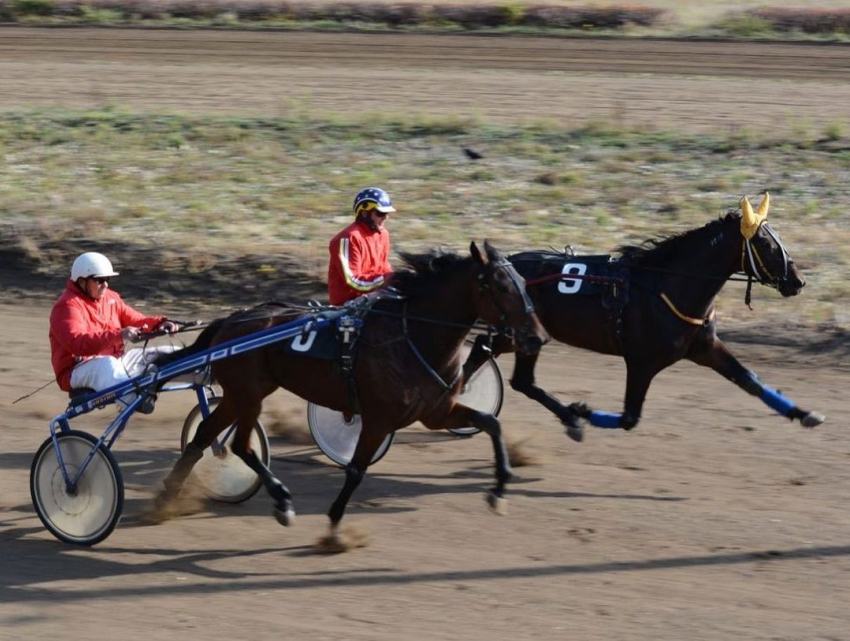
x,y
653,305
407,367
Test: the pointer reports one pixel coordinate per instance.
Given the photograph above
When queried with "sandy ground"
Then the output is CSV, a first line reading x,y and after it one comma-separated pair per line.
x,y
715,519
695,86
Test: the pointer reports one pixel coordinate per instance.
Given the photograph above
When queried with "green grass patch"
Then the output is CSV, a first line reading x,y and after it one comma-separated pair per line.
x,y
232,188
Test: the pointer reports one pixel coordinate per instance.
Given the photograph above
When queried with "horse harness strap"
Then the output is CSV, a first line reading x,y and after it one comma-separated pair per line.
x,y
510,270
683,317
447,387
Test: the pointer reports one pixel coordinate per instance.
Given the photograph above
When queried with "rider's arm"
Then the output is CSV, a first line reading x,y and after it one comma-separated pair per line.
x,y
386,268
359,275
129,317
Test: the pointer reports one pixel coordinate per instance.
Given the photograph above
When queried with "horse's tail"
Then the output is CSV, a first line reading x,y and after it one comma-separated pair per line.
x,y
201,343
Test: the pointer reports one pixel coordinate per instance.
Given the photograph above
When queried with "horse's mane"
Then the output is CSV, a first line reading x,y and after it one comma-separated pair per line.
x,y
655,251
426,269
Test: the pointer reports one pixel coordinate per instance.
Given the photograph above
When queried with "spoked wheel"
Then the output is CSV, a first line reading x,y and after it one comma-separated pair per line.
x,y
87,513
336,435
221,474
484,392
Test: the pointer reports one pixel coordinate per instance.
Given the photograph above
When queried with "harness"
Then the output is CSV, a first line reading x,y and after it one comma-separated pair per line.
x,y
503,327
757,269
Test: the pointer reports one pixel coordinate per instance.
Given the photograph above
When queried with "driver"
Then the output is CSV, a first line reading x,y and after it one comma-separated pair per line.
x,y
88,326
359,254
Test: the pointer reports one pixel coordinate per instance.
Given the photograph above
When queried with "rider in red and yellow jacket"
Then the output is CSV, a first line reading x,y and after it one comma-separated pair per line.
x,y
359,254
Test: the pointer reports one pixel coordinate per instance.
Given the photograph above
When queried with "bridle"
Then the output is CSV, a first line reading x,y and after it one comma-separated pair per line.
x,y
503,326
753,265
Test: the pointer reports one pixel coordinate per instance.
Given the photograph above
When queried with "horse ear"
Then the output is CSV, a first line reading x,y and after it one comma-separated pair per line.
x,y
749,224
476,253
750,220
761,213
492,252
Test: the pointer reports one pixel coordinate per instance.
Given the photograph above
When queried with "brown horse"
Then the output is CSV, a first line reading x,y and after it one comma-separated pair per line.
x,y
406,367
653,305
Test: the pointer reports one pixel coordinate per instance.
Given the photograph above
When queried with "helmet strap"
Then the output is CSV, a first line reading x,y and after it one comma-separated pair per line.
x,y
366,218
82,289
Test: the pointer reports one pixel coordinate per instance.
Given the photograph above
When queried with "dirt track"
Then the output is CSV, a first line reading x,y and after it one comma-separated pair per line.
x,y
690,85
715,519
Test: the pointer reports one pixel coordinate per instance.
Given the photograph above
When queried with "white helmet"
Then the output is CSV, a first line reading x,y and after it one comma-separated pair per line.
x,y
91,264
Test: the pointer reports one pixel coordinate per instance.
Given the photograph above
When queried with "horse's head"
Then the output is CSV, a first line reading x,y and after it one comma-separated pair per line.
x,y
501,299
765,257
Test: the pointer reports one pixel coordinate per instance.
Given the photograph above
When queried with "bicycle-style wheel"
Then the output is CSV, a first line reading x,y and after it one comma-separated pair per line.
x,y
337,435
87,513
221,474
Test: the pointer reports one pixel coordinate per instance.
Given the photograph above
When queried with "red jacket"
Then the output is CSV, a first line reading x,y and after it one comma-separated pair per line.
x,y
81,327
359,262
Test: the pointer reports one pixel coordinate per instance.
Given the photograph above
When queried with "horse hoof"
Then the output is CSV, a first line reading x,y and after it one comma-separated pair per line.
x,y
499,504
285,517
575,432
812,419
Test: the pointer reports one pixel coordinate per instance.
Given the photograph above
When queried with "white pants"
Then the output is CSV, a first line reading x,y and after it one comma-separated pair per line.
x,y
101,372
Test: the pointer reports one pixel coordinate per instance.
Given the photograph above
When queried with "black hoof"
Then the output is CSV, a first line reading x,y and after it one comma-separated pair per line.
x,y
575,432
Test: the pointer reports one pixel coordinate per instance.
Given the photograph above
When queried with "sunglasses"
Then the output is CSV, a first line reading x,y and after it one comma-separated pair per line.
x,y
100,280
381,214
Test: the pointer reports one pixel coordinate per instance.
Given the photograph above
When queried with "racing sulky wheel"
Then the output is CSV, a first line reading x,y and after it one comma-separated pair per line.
x,y
88,511
221,475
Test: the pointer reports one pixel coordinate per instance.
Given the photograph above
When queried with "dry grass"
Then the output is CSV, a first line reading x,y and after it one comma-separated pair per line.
x,y
196,218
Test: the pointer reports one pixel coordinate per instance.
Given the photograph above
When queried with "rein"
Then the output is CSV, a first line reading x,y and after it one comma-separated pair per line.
x,y
447,387
484,287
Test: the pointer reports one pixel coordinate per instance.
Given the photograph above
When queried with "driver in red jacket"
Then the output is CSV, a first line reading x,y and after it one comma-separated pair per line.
x,y
88,326
359,254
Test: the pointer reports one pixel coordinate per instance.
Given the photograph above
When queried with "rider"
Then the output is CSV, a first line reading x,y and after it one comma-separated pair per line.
x,y
359,254
88,326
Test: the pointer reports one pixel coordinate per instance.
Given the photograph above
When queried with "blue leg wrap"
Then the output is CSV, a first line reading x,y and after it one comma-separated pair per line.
x,y
604,419
776,401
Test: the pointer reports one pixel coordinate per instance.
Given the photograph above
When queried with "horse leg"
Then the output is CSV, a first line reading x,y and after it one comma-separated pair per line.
x,y
523,381
481,351
638,380
463,416
367,445
283,509
717,356
221,417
